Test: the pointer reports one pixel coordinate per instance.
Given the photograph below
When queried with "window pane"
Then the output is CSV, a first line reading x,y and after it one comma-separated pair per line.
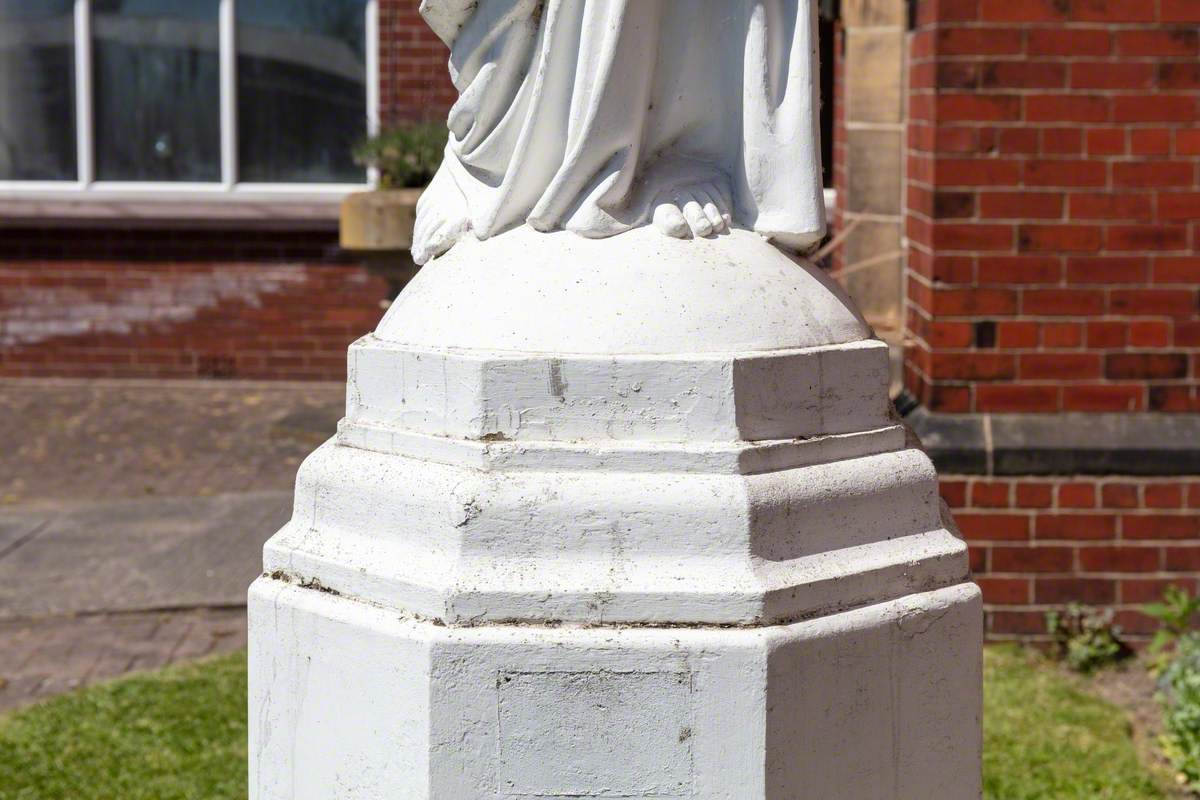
x,y
302,93
37,90
157,90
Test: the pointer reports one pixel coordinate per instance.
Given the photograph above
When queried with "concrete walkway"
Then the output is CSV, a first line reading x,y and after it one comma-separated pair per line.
x,y
132,517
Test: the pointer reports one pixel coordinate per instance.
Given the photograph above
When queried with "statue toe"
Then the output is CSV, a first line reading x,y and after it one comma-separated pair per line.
x,y
697,220
669,219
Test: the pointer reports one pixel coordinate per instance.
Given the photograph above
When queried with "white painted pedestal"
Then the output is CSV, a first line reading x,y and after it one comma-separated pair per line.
x,y
627,519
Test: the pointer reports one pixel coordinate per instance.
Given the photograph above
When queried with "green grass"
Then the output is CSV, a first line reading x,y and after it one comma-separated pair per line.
x,y
1045,737
180,735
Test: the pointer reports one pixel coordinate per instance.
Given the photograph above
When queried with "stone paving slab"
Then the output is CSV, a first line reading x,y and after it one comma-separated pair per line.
x,y
16,529
70,441
47,656
130,555
132,518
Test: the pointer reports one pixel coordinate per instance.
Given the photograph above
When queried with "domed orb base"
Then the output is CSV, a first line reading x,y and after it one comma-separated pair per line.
x,y
635,294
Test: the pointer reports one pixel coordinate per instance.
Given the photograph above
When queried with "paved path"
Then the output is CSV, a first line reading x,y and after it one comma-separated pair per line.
x,y
50,655
132,517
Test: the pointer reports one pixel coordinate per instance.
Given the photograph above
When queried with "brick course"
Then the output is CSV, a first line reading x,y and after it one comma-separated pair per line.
x,y
1054,186
1053,192
271,318
1039,543
414,83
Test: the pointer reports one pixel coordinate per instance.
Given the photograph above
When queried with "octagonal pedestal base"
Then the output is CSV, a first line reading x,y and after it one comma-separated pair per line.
x,y
629,518
350,700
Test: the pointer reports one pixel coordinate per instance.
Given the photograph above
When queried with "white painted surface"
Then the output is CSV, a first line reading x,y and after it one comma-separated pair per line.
x,y
627,730
636,294
468,546
879,702
739,457
723,397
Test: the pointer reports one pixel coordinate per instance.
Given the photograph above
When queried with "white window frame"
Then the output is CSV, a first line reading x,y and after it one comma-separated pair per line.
x,y
86,187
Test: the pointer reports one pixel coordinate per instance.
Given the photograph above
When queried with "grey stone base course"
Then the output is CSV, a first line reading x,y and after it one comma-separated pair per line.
x,y
1060,444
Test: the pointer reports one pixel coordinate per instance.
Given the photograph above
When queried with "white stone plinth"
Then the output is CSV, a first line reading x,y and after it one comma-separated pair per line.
x,y
627,518
352,700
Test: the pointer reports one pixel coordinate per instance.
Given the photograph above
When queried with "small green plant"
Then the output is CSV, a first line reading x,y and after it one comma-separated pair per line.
x,y
1180,697
405,157
1177,614
1085,638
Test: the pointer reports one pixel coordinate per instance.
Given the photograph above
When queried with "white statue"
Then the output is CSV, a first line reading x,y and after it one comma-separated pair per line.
x,y
599,116
625,517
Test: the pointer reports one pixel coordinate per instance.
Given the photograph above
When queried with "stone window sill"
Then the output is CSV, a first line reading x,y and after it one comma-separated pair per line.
x,y
274,210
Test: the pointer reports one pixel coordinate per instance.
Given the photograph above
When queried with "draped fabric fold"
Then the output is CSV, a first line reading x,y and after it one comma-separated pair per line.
x,y
590,114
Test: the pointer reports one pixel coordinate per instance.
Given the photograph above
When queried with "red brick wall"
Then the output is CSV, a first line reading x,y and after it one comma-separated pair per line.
x,y
139,304
1038,544
114,302
1054,200
414,83
1054,224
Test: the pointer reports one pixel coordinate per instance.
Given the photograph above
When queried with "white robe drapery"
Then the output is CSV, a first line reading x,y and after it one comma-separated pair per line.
x,y
580,114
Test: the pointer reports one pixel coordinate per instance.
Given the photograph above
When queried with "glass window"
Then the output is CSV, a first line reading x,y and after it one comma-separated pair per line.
x,y
157,90
162,105
302,97
37,90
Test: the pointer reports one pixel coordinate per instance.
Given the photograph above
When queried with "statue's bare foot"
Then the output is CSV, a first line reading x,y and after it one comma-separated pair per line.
x,y
694,210
441,218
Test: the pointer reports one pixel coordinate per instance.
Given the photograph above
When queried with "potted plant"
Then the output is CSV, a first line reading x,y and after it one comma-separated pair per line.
x,y
404,160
